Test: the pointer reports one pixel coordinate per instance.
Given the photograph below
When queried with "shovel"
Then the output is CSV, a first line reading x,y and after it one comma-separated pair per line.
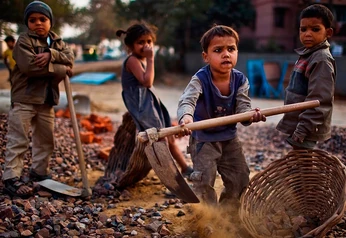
x,y
60,187
161,159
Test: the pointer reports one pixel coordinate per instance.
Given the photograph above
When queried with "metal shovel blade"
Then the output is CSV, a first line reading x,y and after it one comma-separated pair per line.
x,y
60,188
161,161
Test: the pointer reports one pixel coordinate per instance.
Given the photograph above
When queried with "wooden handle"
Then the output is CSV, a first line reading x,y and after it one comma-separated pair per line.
x,y
221,121
86,192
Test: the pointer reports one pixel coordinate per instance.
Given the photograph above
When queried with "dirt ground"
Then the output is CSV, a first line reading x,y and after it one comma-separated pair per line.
x,y
211,222
106,100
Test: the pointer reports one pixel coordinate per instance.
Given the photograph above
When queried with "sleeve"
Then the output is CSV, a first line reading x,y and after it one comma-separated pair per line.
x,y
321,87
188,100
24,55
243,100
65,56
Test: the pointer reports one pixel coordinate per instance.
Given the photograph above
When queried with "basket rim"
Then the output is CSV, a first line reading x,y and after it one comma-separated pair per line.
x,y
336,216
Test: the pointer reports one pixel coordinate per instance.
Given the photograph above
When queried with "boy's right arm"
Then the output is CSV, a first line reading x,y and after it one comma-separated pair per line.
x,y
24,55
188,100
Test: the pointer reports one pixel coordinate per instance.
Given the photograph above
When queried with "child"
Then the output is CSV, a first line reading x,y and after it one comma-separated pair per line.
x,y
43,61
313,77
137,80
7,56
217,90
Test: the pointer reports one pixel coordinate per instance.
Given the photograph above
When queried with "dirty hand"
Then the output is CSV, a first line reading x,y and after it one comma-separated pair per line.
x,y
69,71
296,138
186,119
42,59
148,51
257,116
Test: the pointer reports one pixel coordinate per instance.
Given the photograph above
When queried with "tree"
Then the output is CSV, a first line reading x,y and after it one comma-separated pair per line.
x,y
13,11
99,20
181,23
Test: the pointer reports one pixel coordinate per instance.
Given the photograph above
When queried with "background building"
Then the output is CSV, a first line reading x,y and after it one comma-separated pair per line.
x,y
277,21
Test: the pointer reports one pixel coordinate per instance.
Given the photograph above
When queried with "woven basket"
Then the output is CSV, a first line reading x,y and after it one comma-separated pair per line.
x,y
304,183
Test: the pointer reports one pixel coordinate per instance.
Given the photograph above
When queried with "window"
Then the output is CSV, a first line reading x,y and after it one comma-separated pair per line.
x,y
279,17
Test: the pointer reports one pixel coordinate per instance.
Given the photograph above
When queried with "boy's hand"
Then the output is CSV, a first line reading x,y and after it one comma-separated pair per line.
x,y
297,138
69,71
183,121
257,116
42,59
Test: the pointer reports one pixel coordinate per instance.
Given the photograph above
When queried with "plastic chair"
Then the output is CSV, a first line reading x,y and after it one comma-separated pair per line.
x,y
255,73
272,83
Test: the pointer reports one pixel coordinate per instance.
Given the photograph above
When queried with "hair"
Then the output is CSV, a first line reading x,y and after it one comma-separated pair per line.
x,y
217,30
318,11
9,38
135,31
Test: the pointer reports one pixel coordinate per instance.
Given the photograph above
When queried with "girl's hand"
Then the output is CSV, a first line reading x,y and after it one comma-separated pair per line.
x,y
42,59
148,51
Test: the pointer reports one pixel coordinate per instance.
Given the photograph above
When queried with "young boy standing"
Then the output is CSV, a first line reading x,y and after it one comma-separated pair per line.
x,y
217,90
313,77
8,55
43,61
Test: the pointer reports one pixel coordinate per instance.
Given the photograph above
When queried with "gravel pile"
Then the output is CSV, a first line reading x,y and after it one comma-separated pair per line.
x,y
52,215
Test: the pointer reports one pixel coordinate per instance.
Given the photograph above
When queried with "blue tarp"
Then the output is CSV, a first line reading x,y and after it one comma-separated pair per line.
x,y
93,78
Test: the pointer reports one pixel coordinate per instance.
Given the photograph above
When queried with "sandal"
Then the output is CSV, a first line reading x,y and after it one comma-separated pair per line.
x,y
36,177
188,171
15,188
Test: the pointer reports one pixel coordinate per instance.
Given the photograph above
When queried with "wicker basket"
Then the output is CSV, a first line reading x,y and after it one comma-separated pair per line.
x,y
304,183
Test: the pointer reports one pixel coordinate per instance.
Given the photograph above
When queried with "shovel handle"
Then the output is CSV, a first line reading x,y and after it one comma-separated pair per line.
x,y
221,121
86,189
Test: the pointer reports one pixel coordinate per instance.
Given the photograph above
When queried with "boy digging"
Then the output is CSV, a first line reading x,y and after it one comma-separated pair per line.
x,y
217,90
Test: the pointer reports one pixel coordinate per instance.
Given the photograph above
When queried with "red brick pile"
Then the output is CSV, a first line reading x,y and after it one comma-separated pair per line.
x,y
91,125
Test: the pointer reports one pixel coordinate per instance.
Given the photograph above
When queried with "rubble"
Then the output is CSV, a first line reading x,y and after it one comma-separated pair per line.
x,y
48,214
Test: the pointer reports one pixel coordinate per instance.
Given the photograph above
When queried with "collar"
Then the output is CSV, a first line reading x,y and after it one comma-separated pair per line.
x,y
305,51
52,35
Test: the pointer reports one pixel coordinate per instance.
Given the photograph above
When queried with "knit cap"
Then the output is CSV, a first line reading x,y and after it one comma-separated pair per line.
x,y
38,7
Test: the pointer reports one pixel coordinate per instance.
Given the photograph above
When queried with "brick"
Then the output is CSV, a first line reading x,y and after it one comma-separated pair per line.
x,y
86,137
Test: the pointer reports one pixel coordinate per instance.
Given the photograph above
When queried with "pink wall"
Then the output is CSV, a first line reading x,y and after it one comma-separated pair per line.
x,y
265,30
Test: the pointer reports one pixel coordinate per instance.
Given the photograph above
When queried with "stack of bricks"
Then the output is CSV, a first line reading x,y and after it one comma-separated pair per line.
x,y
90,126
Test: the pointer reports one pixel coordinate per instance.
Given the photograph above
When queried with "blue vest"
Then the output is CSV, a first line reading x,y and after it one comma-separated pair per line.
x,y
212,104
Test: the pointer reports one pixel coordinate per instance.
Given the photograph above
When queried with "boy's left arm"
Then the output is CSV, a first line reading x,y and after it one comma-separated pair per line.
x,y
65,56
321,87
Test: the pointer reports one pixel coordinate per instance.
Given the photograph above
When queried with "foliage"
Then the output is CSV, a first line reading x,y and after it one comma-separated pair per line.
x,y
98,20
13,11
181,23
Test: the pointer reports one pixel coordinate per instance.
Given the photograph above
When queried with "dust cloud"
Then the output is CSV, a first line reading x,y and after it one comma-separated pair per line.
x,y
205,221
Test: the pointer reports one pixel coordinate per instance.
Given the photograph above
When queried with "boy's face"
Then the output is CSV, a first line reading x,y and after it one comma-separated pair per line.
x,y
222,54
312,32
39,23
10,44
